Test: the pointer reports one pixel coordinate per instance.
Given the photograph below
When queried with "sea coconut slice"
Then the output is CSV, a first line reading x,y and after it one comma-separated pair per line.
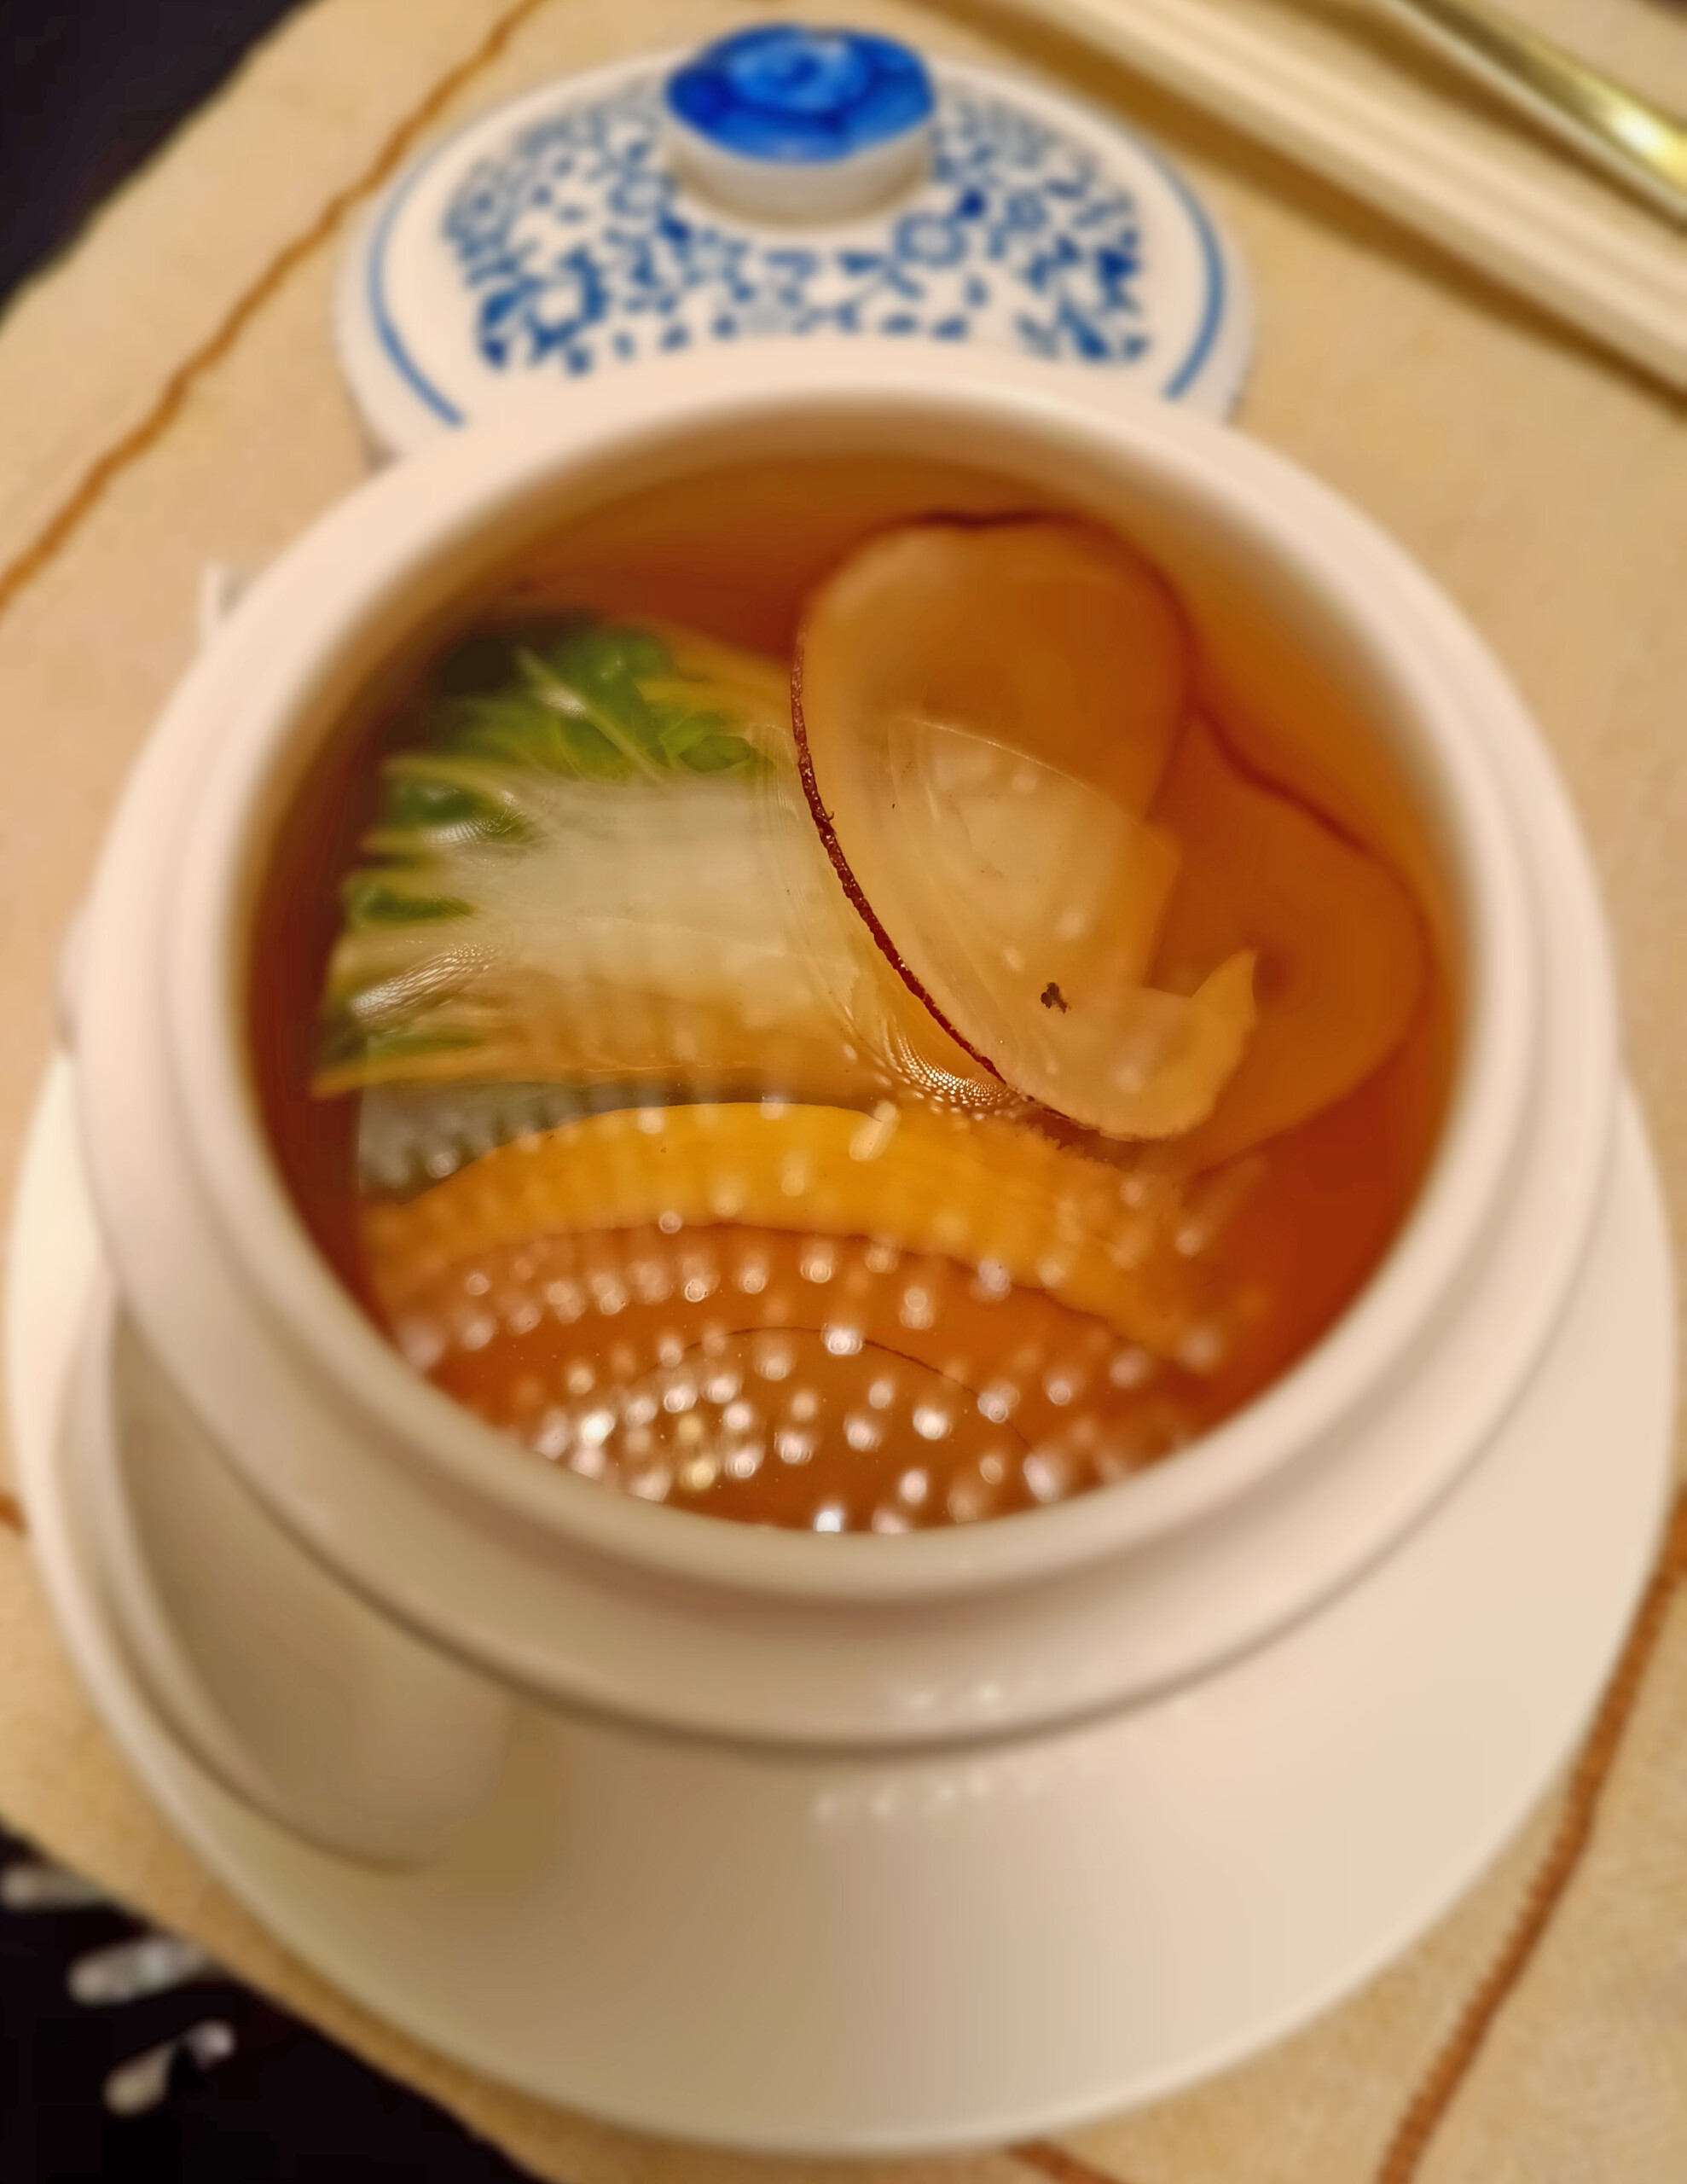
x,y
984,712
1341,951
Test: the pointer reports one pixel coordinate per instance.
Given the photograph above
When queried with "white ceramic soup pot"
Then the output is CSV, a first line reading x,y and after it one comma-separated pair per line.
x,y
495,1576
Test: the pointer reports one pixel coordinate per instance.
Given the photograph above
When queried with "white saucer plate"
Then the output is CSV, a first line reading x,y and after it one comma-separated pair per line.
x,y
1250,1850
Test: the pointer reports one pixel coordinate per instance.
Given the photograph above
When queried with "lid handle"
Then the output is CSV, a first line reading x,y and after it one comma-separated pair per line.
x,y
793,124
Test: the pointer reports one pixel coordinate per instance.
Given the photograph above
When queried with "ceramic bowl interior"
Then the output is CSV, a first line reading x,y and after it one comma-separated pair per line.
x,y
1289,633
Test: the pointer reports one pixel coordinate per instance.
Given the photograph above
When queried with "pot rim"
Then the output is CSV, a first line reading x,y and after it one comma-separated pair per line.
x,y
399,543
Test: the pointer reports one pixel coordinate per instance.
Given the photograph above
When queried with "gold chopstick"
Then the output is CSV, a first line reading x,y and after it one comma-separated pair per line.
x,y
1634,141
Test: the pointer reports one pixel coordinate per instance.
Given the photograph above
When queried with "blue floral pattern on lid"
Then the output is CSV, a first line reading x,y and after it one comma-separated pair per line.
x,y
1013,224
783,92
562,236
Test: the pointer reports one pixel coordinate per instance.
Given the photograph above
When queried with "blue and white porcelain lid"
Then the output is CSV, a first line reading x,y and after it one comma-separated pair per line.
x,y
787,182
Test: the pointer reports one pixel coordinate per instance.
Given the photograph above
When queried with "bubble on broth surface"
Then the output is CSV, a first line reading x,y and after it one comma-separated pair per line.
x,y
715,1442
774,1423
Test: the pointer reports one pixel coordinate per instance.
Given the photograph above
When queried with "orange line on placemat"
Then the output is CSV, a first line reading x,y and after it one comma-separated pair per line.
x,y
1051,2160
1440,2086
63,525
11,1515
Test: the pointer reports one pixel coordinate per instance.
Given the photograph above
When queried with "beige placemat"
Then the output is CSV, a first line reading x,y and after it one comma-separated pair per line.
x,y
169,398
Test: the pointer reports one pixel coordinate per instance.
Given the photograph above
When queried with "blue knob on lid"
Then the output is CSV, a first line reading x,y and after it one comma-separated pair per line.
x,y
800,124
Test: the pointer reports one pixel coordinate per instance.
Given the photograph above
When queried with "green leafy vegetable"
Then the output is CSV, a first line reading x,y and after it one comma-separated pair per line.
x,y
377,898
581,816
593,864
599,701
